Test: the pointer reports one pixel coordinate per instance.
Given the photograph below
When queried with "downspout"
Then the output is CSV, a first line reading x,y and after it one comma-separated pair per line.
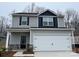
x,y
73,40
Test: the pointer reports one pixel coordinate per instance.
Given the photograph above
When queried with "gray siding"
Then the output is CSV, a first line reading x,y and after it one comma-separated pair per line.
x,y
15,21
33,21
61,22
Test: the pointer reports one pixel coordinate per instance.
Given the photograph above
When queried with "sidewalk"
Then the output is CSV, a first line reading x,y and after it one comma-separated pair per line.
x,y
56,54
47,54
20,54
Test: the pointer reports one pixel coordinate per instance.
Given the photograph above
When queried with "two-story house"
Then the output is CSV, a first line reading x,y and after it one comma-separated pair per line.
x,y
45,31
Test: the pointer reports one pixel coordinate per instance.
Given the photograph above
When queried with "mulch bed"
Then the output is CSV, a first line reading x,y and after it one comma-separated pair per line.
x,y
76,50
7,53
28,52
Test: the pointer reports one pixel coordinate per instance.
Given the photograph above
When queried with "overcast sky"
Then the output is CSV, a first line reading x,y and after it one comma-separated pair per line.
x,y
7,8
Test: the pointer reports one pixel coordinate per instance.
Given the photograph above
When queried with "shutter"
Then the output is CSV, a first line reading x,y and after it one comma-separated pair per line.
x,y
20,20
55,22
40,21
27,20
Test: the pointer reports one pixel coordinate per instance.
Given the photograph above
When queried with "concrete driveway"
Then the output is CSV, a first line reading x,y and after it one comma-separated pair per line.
x,y
56,54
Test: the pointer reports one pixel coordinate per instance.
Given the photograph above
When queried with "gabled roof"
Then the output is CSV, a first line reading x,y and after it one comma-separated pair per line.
x,y
46,11
36,14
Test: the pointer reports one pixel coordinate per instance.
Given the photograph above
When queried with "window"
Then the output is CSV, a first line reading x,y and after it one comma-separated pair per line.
x,y
48,21
24,21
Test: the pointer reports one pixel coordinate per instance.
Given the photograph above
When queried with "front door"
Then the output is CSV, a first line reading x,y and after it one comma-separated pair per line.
x,y
23,42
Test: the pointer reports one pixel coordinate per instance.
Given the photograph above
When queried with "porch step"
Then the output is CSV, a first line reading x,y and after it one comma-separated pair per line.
x,y
20,54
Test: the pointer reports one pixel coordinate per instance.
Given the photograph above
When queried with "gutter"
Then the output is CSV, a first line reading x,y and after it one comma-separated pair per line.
x,y
56,29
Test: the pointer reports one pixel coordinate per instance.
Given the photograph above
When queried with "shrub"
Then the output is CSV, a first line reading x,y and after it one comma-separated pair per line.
x,y
29,48
2,49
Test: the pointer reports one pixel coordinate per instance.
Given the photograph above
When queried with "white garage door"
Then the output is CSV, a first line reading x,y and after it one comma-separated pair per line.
x,y
51,43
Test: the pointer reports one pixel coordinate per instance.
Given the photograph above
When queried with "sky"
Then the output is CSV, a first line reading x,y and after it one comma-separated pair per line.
x,y
6,8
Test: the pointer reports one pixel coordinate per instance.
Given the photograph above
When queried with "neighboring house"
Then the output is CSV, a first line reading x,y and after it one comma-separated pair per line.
x,y
45,31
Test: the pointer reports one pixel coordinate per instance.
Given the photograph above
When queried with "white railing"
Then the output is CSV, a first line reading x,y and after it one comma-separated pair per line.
x,y
14,46
18,46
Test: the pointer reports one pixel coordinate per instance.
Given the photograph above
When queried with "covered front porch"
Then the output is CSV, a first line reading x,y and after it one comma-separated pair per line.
x,y
18,39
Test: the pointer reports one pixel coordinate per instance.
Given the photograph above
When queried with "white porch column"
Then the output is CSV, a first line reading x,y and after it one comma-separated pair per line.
x,y
7,39
30,37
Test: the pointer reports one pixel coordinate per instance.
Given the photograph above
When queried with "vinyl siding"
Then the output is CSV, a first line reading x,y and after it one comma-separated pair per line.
x,y
33,21
61,22
15,21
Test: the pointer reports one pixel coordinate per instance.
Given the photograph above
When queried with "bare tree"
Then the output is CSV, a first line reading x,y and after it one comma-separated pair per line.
x,y
3,23
75,21
70,15
39,9
29,7
59,12
71,18
33,8
2,19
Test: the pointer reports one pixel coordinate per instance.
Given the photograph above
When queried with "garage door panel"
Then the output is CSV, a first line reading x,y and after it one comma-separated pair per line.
x,y
51,43
62,43
42,44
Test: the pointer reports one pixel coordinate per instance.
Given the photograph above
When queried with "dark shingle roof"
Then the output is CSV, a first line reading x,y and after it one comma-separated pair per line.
x,y
26,14
33,14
